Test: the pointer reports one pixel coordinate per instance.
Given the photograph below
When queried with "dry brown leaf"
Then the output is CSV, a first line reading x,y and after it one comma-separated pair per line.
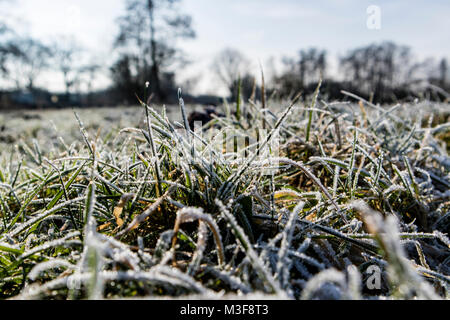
x,y
117,213
119,209
312,217
104,226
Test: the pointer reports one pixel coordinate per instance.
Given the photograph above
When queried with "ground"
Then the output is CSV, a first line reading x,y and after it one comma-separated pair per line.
x,y
294,201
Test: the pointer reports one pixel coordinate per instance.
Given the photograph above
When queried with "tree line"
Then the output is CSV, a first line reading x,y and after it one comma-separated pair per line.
x,y
146,50
381,72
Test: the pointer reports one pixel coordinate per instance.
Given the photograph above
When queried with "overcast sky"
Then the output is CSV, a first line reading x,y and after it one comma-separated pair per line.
x,y
259,28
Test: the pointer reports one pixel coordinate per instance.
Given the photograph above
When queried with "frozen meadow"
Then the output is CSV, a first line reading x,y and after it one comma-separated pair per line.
x,y
331,201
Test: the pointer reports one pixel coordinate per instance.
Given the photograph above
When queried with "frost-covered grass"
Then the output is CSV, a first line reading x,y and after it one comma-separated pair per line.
x,y
301,210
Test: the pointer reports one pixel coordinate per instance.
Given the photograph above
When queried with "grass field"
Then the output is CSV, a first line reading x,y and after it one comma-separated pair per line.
x,y
288,200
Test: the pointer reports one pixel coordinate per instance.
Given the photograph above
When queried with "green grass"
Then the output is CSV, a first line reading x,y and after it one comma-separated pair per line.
x,y
137,207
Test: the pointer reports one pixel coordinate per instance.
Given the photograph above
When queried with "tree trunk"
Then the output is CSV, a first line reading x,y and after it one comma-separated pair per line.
x,y
155,80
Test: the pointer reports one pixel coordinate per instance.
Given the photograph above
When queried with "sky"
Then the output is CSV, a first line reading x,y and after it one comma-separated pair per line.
x,y
259,28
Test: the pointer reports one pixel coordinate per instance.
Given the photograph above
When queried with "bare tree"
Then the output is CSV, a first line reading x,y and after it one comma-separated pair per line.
x,y
7,47
31,59
148,32
308,68
3,48
124,77
312,65
377,68
230,65
67,56
443,68
91,71
8,50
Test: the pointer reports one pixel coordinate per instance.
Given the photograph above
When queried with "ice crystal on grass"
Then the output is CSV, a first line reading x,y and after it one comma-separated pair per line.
x,y
156,210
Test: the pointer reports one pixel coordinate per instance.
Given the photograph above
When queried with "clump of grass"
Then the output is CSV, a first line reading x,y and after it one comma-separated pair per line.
x,y
346,187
